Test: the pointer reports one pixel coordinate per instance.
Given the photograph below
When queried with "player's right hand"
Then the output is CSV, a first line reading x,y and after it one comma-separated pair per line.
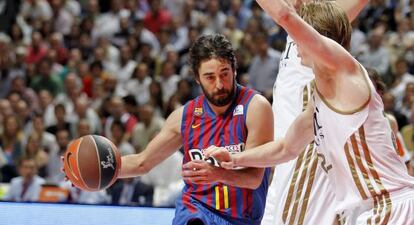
x,y
62,170
222,155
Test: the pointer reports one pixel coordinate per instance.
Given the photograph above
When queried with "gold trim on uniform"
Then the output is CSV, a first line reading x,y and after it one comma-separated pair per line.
x,y
354,173
382,201
297,186
301,167
383,191
348,112
292,187
308,189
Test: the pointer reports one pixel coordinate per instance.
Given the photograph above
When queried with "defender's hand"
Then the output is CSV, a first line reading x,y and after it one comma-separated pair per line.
x,y
222,155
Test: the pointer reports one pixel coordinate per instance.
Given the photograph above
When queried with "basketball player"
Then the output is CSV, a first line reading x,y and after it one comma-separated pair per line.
x,y
345,120
226,115
294,194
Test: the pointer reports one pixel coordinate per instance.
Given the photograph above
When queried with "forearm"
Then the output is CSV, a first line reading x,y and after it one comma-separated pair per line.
x,y
250,178
132,166
352,7
266,155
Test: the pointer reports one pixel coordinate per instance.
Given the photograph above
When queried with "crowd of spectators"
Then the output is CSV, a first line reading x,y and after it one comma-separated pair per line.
x,y
118,68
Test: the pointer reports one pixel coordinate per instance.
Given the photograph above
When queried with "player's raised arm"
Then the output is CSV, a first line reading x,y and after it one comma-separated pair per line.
x,y
161,147
324,51
299,134
352,7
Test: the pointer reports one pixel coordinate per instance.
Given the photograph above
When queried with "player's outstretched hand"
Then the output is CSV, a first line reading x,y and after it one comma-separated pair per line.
x,y
222,155
62,170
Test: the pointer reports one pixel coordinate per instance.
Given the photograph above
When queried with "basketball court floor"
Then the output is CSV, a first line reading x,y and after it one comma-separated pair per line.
x,y
65,214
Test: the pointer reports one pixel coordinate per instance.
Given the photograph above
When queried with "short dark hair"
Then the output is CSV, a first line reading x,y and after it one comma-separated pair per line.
x,y
209,47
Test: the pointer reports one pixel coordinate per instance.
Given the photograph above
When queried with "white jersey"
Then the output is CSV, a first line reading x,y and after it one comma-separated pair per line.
x,y
294,196
366,168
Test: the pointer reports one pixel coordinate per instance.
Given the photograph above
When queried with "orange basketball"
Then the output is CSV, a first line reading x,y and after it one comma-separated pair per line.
x,y
92,162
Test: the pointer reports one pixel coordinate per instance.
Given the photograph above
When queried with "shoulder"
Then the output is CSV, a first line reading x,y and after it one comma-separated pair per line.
x,y
39,180
16,181
173,121
259,100
259,107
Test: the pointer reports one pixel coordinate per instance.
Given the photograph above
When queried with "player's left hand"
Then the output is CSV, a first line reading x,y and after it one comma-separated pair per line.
x,y
199,172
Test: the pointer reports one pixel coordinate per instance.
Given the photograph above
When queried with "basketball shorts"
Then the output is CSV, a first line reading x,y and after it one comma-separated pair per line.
x,y
183,216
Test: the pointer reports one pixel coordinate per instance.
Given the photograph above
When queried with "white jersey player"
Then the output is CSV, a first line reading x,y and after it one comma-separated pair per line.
x,y
346,122
294,194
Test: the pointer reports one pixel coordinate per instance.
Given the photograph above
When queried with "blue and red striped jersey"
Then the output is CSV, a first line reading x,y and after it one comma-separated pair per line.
x,y
200,128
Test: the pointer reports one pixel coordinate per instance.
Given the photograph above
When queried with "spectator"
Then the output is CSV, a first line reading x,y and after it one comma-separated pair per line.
x,y
119,138
400,80
11,143
26,187
263,69
46,80
18,85
156,17
118,112
138,86
132,192
54,164
37,50
150,124
47,140
375,54
168,80
35,150
61,120
84,112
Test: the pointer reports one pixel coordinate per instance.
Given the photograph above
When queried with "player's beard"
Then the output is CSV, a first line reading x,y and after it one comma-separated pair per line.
x,y
216,99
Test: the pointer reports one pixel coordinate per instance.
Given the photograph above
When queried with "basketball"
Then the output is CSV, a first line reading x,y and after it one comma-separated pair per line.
x,y
92,162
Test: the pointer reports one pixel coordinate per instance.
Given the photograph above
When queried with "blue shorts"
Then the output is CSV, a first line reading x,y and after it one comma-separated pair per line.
x,y
183,216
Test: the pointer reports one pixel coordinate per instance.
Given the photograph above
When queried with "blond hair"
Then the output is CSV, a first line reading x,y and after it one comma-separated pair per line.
x,y
329,20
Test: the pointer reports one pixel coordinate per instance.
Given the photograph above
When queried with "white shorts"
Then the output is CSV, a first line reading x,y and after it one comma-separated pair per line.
x,y
398,209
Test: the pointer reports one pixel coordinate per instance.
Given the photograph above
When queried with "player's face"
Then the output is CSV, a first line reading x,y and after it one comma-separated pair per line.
x,y
216,78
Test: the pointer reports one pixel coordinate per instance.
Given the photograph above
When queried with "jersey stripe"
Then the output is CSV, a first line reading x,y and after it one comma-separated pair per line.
x,y
352,167
300,186
292,187
201,127
302,167
383,191
309,186
382,200
186,140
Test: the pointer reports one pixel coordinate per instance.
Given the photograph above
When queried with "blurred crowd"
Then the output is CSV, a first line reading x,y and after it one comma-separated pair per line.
x,y
118,68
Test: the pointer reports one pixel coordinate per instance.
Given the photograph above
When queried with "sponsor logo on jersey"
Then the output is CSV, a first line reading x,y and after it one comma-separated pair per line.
x,y
197,154
238,110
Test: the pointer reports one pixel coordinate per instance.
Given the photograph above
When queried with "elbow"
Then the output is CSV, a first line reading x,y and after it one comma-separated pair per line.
x,y
284,17
289,153
257,182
